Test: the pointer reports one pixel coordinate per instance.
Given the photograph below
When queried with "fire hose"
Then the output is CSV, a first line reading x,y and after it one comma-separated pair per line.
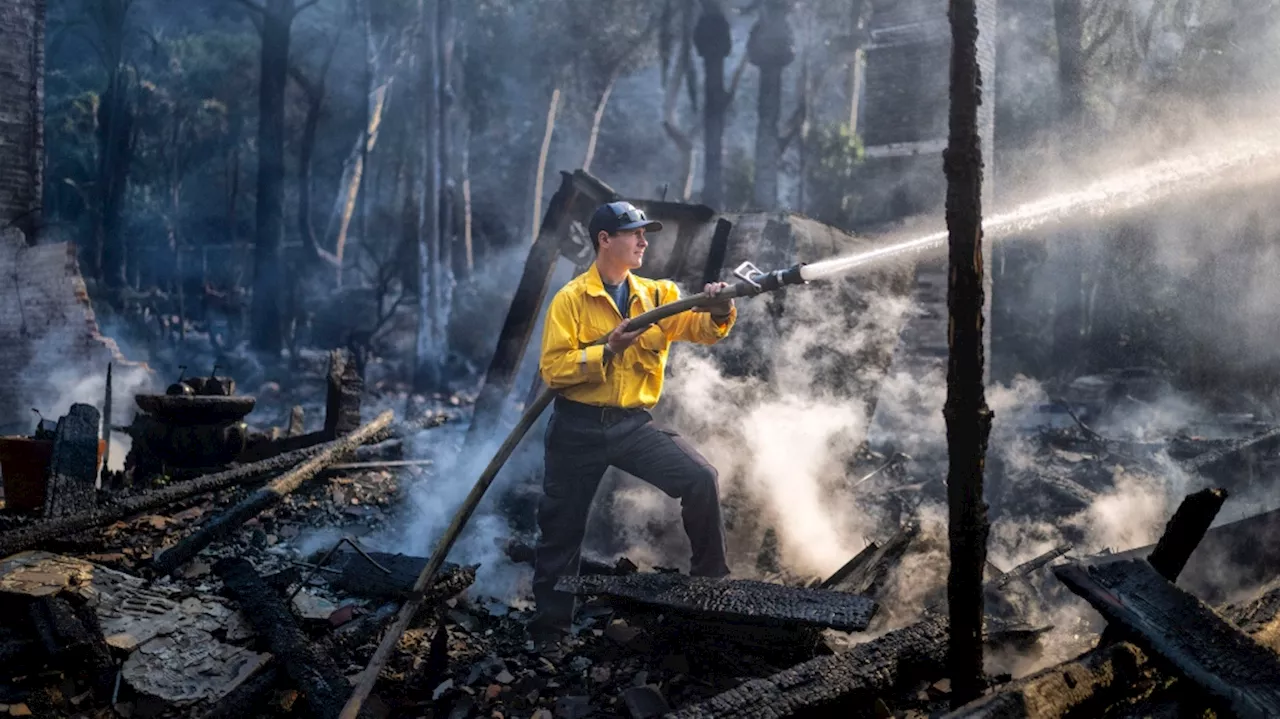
x,y
751,282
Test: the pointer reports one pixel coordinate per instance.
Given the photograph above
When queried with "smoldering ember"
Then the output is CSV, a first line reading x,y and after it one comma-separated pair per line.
x,y
436,358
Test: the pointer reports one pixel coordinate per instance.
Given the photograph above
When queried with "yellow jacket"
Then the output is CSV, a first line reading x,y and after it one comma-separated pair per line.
x,y
583,312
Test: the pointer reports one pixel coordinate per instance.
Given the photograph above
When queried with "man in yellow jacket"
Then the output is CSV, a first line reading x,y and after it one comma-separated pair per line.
x,y
600,417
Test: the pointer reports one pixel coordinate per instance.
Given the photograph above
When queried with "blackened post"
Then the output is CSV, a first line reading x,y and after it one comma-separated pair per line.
x,y
967,416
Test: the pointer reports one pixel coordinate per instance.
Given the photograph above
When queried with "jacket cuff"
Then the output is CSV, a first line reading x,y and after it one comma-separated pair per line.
x,y
721,327
594,362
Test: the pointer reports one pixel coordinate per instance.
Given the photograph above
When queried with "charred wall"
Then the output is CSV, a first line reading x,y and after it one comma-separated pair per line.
x,y
22,25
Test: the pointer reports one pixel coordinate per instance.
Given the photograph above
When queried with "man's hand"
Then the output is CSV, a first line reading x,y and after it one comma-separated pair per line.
x,y
719,309
620,339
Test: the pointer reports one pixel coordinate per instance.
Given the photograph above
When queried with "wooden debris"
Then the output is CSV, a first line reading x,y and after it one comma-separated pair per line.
x,y
1257,443
735,600
644,702
247,699
71,638
22,538
855,565
221,525
1182,534
1029,567
73,471
313,670
832,683
342,402
297,422
868,579
1180,629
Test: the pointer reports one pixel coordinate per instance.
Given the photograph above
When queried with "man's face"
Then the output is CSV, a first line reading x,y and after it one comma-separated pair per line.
x,y
626,248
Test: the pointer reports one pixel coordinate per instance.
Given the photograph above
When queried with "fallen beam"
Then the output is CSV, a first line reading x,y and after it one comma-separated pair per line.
x,y
174,557
1258,442
869,577
31,536
860,560
741,601
831,683
1183,631
1182,534
314,671
1108,675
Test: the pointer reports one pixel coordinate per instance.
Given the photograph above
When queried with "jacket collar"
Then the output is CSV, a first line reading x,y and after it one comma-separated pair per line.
x,y
595,284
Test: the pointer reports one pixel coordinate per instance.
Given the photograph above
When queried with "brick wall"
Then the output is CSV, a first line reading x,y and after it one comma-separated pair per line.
x,y
21,112
51,352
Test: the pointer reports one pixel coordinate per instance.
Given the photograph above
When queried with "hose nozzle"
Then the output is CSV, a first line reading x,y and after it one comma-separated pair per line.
x,y
755,281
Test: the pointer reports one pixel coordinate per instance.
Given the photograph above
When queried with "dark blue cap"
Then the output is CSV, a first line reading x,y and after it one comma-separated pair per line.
x,y
619,216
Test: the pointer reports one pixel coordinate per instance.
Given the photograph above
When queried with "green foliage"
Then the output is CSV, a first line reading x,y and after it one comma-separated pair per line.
x,y
833,174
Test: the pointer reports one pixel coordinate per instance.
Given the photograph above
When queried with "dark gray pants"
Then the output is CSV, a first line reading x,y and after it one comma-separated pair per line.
x,y
580,445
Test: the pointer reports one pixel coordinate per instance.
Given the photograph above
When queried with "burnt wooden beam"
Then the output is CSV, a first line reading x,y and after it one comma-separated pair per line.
x,y
719,249
838,683
73,470
273,493
742,601
71,639
1108,675
322,683
34,535
1182,534
869,579
1257,443
968,418
1183,631
247,699
577,191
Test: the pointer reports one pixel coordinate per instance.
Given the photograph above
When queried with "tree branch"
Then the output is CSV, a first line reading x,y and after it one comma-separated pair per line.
x,y
303,6
733,84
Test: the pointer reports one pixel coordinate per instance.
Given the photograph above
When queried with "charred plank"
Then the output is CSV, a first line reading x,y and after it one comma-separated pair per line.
x,y
342,401
247,699
851,567
869,578
832,683
1182,534
273,493
1183,631
737,600
70,638
1257,443
312,669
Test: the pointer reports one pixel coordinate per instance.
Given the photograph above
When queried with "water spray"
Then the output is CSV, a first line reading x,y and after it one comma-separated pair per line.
x,y
751,282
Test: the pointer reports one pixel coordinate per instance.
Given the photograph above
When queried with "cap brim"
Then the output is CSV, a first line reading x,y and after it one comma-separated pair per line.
x,y
648,225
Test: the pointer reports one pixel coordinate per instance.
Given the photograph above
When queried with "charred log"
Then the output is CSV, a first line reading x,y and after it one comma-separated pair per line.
x,y
869,578
70,638
834,683
1183,631
265,497
74,468
313,670
736,600
248,698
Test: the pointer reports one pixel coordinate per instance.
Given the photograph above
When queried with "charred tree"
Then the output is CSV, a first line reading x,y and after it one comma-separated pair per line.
x,y
1068,25
770,48
968,418
315,92
275,20
115,138
712,38
428,349
446,34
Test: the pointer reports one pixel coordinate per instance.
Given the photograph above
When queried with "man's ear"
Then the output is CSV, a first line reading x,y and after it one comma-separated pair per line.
x,y
601,237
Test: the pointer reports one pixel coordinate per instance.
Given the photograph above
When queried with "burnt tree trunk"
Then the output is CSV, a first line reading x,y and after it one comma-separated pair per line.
x,y
714,42
967,416
268,324
428,352
445,38
115,147
1068,24
770,48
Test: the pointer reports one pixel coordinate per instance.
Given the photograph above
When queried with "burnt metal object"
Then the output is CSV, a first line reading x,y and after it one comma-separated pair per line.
x,y
314,671
270,495
835,683
742,601
390,576
73,470
195,408
1183,631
